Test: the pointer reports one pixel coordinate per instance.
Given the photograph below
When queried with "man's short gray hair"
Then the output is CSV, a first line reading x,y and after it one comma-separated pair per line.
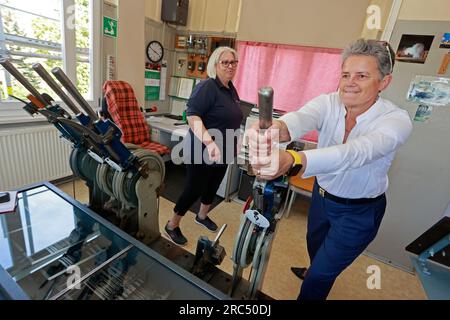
x,y
215,57
381,50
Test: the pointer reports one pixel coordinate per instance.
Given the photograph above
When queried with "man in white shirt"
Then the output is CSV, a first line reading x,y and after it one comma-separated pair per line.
x,y
359,134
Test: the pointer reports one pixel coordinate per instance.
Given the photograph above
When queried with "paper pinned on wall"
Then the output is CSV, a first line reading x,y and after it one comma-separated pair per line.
x,y
445,42
432,91
423,113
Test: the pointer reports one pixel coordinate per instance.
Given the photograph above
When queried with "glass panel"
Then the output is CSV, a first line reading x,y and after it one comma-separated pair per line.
x,y
135,276
54,245
5,257
59,236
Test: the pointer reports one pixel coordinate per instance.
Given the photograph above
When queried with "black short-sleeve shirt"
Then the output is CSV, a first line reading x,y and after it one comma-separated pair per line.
x,y
218,107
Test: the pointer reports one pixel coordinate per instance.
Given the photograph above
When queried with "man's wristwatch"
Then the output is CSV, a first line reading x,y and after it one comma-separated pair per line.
x,y
297,165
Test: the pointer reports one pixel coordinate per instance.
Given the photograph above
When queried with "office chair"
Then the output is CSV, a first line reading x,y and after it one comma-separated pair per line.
x,y
300,186
124,110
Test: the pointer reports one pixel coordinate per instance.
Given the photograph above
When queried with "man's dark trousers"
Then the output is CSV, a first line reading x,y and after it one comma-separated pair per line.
x,y
337,234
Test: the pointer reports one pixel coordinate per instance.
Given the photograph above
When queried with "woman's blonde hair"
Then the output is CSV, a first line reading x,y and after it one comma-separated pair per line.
x,y
215,57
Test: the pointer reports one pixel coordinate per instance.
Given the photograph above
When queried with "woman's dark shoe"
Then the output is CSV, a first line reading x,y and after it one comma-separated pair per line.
x,y
175,235
207,223
299,272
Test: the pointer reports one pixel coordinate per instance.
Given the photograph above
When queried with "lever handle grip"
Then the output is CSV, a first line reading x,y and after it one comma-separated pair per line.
x,y
265,106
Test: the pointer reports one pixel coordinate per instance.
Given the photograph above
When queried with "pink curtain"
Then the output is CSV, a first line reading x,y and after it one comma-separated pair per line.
x,y
297,74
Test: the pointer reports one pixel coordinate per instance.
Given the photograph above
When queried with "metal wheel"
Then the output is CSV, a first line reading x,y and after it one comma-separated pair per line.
x,y
239,243
103,173
259,265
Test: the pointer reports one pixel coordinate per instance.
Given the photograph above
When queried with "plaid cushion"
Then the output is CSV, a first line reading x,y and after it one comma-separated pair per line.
x,y
125,112
156,147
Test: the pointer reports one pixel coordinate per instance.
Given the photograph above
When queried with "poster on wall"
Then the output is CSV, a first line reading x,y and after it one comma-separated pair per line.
x,y
414,48
432,91
445,42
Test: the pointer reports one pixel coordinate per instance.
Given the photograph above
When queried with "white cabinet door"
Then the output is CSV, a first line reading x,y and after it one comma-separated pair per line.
x,y
214,15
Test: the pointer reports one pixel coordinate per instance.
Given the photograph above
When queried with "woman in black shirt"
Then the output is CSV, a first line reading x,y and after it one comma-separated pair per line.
x,y
213,115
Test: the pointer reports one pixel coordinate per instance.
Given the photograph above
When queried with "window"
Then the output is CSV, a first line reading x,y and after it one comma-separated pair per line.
x,y
297,74
55,33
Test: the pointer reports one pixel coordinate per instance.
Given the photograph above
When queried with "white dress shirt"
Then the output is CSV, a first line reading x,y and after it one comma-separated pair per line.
x,y
359,167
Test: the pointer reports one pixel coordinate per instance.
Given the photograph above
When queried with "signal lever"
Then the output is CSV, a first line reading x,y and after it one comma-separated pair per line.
x,y
265,106
84,120
208,254
42,104
120,157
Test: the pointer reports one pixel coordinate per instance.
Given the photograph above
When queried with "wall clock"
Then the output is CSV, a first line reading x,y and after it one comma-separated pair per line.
x,y
155,51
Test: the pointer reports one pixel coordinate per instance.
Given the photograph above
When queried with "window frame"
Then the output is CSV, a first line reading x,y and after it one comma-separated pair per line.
x,y
11,111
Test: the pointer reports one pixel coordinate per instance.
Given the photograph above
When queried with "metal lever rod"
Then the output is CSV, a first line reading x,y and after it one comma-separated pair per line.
x,y
216,240
55,87
16,74
70,87
265,106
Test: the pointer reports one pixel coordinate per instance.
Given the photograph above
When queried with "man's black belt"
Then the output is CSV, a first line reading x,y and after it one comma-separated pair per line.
x,y
324,194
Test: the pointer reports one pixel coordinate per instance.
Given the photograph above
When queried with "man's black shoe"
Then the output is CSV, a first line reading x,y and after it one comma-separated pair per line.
x,y
175,235
299,272
207,223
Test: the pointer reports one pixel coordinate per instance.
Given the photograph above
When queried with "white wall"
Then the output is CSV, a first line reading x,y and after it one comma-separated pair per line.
x,y
419,178
429,10
385,8
131,46
320,23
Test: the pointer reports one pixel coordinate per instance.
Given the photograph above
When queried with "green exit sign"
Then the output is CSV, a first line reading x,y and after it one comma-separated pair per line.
x,y
110,27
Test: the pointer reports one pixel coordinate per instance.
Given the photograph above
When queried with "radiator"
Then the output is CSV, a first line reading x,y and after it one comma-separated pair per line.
x,y
32,155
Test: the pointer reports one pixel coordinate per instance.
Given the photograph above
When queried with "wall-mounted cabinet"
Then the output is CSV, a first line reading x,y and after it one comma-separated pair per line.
x,y
192,51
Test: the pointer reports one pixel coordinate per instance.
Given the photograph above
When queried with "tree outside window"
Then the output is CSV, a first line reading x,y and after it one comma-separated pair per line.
x,y
32,33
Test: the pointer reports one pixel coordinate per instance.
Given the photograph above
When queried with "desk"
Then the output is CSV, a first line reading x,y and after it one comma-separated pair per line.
x,y
164,131
430,255
51,234
435,282
166,125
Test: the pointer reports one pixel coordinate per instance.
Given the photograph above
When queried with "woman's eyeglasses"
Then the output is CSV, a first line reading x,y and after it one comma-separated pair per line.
x,y
226,63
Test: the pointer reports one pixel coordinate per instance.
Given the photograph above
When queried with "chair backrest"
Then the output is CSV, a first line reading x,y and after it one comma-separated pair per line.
x,y
125,112
304,184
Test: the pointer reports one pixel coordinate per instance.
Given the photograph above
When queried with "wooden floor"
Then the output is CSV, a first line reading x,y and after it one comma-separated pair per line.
x,y
288,249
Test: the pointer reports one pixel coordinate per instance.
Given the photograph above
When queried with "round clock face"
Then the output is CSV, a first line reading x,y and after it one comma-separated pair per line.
x,y
155,51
